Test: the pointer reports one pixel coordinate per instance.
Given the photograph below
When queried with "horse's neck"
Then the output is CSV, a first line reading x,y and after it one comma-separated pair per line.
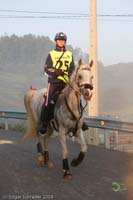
x,y
73,99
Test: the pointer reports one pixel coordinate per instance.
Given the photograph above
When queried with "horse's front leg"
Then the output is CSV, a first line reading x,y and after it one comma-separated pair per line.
x,y
76,161
65,165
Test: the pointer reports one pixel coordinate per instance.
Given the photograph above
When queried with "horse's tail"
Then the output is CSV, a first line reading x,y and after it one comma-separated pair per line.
x,y
32,125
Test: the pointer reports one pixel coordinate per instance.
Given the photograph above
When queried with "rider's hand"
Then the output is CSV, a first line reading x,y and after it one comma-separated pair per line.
x,y
53,72
59,72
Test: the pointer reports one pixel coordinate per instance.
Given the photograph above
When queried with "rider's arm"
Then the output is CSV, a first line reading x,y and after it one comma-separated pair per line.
x,y
50,70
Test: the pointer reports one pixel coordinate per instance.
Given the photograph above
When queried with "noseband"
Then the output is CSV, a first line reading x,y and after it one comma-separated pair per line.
x,y
86,86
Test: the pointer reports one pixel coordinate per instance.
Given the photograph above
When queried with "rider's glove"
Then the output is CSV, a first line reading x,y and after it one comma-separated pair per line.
x,y
59,72
53,72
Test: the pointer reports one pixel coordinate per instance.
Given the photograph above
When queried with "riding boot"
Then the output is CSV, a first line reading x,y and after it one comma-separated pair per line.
x,y
84,126
47,113
42,129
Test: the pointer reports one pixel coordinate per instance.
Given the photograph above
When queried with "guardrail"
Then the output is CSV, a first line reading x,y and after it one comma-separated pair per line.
x,y
105,123
94,122
12,115
109,123
116,125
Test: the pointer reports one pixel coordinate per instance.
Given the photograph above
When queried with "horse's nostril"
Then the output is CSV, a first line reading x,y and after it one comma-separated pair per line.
x,y
86,93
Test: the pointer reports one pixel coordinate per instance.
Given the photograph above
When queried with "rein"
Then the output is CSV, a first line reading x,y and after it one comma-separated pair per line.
x,y
71,86
73,115
70,110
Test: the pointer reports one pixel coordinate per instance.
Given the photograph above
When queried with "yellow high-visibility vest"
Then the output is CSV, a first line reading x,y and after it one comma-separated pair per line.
x,y
62,64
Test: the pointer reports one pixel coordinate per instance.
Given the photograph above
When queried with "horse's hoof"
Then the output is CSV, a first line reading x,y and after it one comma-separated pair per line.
x,y
74,162
67,175
40,161
49,164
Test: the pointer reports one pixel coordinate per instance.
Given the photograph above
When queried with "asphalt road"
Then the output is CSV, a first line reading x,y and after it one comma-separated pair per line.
x,y
103,175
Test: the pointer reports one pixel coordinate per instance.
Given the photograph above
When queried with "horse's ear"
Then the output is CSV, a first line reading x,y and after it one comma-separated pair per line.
x,y
79,62
91,63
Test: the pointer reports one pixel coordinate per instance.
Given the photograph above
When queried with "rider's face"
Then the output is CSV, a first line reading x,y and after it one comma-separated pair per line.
x,y
60,43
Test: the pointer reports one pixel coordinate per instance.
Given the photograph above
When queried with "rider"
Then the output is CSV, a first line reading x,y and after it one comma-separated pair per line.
x,y
59,67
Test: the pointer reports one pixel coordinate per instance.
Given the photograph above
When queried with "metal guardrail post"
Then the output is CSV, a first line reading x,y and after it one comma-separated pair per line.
x,y
6,125
106,140
116,139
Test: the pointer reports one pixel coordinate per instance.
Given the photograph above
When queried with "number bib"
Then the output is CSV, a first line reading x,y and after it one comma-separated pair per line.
x,y
62,64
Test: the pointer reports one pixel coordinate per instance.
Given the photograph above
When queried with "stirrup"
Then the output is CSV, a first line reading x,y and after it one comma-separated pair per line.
x,y
84,126
42,129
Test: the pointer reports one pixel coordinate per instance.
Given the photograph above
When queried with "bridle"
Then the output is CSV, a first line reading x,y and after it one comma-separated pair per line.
x,y
86,85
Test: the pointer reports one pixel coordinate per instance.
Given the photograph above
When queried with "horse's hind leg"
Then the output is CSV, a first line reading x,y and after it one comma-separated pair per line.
x,y
76,161
47,161
40,152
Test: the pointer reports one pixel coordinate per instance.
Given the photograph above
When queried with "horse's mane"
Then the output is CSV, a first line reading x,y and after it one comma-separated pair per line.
x,y
70,84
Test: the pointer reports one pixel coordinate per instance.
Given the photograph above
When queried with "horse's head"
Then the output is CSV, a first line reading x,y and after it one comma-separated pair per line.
x,y
84,79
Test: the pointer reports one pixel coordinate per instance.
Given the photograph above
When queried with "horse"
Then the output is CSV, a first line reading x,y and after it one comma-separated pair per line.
x,y
68,116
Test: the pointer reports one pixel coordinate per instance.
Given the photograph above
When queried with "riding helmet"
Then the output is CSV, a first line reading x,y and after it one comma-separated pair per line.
x,y
60,36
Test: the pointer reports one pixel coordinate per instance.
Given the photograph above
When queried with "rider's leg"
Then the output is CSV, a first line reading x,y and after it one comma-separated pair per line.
x,y
43,120
47,111
47,114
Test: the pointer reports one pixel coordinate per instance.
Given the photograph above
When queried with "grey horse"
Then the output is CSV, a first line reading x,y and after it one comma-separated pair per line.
x,y
68,116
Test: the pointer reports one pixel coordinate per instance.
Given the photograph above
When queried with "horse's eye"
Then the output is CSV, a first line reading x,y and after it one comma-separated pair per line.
x,y
79,76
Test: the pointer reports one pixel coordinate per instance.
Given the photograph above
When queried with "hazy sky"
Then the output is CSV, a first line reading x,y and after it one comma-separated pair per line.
x,y
115,35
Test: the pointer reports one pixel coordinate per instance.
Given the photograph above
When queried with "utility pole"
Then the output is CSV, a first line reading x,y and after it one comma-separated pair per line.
x,y
93,104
